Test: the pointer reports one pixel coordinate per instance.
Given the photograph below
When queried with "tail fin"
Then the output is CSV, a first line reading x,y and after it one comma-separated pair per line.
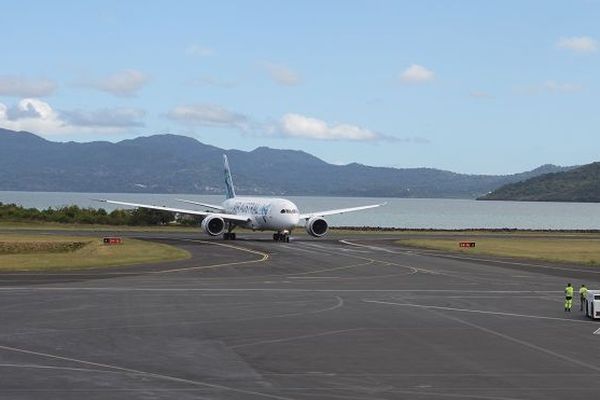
x,y
228,180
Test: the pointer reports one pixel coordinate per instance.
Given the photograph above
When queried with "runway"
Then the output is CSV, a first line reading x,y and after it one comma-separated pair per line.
x,y
347,317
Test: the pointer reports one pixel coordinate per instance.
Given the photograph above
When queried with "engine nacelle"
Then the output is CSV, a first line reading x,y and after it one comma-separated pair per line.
x,y
214,226
316,227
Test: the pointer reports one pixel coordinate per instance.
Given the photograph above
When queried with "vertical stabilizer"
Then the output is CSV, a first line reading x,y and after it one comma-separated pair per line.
x,y
230,191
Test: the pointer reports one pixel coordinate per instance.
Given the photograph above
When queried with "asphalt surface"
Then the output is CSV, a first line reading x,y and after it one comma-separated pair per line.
x,y
311,319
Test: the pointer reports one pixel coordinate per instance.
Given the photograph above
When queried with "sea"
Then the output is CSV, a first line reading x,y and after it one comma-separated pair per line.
x,y
397,212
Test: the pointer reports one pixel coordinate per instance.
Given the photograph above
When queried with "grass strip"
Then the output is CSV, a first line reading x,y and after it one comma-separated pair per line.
x,y
15,247
575,249
80,253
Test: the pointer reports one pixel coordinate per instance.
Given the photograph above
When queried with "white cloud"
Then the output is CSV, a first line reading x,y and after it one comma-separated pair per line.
x,y
299,126
124,83
282,74
290,125
578,44
208,115
19,86
214,82
558,87
30,115
478,94
120,117
198,50
550,87
35,115
416,74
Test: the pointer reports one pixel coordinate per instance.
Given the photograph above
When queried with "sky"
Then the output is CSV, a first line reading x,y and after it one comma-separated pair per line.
x,y
469,86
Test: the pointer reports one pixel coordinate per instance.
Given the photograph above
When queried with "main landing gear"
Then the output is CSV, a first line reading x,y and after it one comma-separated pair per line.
x,y
229,235
281,237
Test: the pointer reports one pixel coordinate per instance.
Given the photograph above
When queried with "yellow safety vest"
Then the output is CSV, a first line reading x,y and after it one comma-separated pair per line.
x,y
569,291
582,292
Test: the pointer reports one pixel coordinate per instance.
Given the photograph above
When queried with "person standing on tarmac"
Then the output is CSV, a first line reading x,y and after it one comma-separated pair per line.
x,y
582,292
568,297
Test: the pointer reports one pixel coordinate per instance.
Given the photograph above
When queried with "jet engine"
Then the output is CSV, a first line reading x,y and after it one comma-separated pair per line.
x,y
316,227
214,226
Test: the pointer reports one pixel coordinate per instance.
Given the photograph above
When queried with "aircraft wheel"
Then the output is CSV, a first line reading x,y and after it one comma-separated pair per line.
x,y
226,236
232,236
287,239
276,237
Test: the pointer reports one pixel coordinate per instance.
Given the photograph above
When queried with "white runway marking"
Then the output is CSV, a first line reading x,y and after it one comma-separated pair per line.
x,y
467,258
370,247
457,257
291,290
469,310
597,331
525,343
296,275
140,373
293,338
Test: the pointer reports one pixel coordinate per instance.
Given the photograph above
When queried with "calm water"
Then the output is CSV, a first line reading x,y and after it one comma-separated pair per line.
x,y
402,213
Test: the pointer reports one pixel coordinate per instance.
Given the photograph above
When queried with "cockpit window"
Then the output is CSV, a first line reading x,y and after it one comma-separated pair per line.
x,y
289,211
283,211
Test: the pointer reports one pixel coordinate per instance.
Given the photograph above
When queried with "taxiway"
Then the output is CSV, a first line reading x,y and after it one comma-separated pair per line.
x,y
342,318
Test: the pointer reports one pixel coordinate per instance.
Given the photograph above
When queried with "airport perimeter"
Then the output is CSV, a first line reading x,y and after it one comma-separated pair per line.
x,y
349,317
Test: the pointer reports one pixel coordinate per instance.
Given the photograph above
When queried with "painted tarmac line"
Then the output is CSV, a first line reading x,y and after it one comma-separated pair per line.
x,y
474,311
329,269
491,260
523,343
140,373
107,273
299,290
458,257
264,257
414,269
376,248
336,252
294,338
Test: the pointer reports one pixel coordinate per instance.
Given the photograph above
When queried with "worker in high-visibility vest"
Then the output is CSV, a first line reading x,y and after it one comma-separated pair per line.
x,y
582,292
568,297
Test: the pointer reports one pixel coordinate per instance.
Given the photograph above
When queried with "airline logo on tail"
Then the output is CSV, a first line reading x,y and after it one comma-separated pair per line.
x,y
228,180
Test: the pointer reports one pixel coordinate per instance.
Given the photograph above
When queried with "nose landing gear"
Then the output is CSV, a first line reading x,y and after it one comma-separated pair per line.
x,y
281,237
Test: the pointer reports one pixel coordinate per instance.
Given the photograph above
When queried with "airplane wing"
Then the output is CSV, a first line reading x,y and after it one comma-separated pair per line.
x,y
214,207
338,211
226,217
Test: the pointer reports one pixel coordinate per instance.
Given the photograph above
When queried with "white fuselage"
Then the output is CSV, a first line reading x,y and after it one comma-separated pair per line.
x,y
264,213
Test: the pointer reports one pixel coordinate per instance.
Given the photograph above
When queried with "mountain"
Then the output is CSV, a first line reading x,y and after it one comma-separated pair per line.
x,y
578,184
179,164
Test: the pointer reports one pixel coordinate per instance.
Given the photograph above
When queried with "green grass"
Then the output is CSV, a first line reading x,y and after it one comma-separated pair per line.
x,y
63,253
572,248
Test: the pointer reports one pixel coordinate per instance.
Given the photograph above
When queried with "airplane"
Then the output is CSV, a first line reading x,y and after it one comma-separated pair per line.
x,y
256,213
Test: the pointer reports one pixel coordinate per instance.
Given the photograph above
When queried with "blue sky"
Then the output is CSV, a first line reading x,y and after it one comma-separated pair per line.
x,y
468,86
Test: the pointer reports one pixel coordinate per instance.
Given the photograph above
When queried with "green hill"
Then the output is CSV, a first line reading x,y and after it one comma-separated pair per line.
x,y
179,164
580,184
